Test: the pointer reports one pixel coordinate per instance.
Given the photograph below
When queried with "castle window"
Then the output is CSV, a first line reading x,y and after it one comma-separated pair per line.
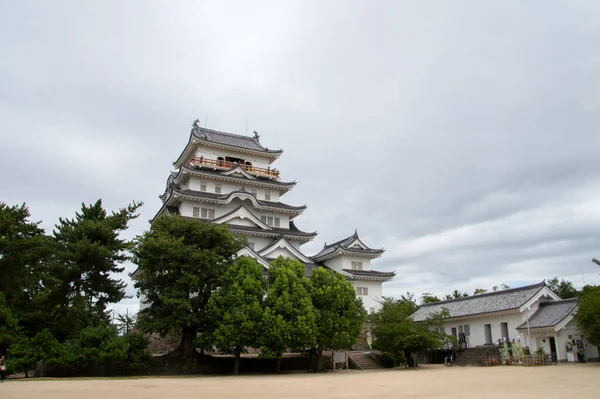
x,y
270,221
267,196
357,266
218,188
206,213
251,245
202,186
196,212
364,291
254,192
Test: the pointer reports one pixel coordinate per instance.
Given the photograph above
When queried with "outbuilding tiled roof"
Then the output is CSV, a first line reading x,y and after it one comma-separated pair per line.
x,y
483,303
550,314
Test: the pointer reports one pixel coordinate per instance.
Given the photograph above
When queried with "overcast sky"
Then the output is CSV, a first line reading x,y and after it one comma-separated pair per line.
x,y
461,136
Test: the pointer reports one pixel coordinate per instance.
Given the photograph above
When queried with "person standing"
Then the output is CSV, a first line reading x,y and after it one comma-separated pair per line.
x,y
2,368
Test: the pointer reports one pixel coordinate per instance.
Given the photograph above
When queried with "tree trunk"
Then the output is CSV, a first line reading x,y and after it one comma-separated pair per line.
x,y
310,354
236,365
187,349
410,362
278,365
319,358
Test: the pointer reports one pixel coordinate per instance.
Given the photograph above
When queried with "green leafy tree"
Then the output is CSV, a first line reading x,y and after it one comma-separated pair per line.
x,y
236,309
479,291
138,356
588,316
455,295
563,288
427,297
502,287
101,345
126,323
181,262
89,253
27,352
339,313
9,325
24,252
395,333
289,320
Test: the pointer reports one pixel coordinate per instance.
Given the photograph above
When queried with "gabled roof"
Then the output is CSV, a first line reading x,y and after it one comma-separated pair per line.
x,y
291,233
281,242
231,140
249,252
498,301
370,274
215,138
351,245
242,193
550,314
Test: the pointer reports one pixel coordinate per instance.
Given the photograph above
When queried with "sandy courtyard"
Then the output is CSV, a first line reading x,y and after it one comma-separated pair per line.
x,y
562,381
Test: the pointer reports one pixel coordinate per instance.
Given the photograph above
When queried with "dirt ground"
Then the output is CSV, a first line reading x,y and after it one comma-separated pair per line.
x,y
562,381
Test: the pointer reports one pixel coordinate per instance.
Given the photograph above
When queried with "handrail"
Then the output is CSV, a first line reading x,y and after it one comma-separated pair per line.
x,y
493,346
451,356
230,165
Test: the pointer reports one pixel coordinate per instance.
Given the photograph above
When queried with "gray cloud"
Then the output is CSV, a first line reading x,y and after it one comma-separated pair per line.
x,y
460,136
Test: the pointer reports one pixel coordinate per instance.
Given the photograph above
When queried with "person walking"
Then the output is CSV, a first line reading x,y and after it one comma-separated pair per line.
x,y
2,368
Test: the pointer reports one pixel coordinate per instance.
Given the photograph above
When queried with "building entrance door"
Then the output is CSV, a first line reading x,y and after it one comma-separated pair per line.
x,y
504,331
488,333
553,348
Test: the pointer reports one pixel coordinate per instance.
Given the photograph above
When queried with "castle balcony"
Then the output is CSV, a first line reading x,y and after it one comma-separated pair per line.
x,y
225,164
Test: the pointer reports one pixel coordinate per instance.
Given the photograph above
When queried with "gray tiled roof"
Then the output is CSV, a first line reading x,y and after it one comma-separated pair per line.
x,y
203,194
550,314
259,179
482,303
369,273
230,139
343,244
275,230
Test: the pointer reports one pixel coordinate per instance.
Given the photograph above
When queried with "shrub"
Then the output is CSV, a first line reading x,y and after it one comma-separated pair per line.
x,y
388,360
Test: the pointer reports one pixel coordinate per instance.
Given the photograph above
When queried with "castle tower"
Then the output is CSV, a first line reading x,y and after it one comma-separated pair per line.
x,y
352,258
228,178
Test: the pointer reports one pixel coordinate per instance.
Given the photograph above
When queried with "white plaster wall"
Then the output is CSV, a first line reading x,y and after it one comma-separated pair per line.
x,y
347,262
143,304
193,183
259,242
214,153
186,209
335,264
477,328
281,252
561,338
371,301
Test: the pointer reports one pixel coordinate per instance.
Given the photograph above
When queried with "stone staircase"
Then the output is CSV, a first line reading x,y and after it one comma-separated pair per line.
x,y
365,360
472,356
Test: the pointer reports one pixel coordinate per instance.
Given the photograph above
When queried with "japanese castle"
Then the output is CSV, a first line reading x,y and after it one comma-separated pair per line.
x,y
228,178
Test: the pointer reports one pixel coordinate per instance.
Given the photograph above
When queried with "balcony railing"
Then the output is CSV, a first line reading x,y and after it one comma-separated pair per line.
x,y
274,173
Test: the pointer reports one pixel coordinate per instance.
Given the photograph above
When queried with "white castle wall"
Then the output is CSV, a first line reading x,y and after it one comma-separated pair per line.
x,y
371,302
193,183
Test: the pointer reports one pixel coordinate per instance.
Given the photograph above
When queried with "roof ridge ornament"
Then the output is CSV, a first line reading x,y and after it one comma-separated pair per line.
x,y
197,130
256,136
